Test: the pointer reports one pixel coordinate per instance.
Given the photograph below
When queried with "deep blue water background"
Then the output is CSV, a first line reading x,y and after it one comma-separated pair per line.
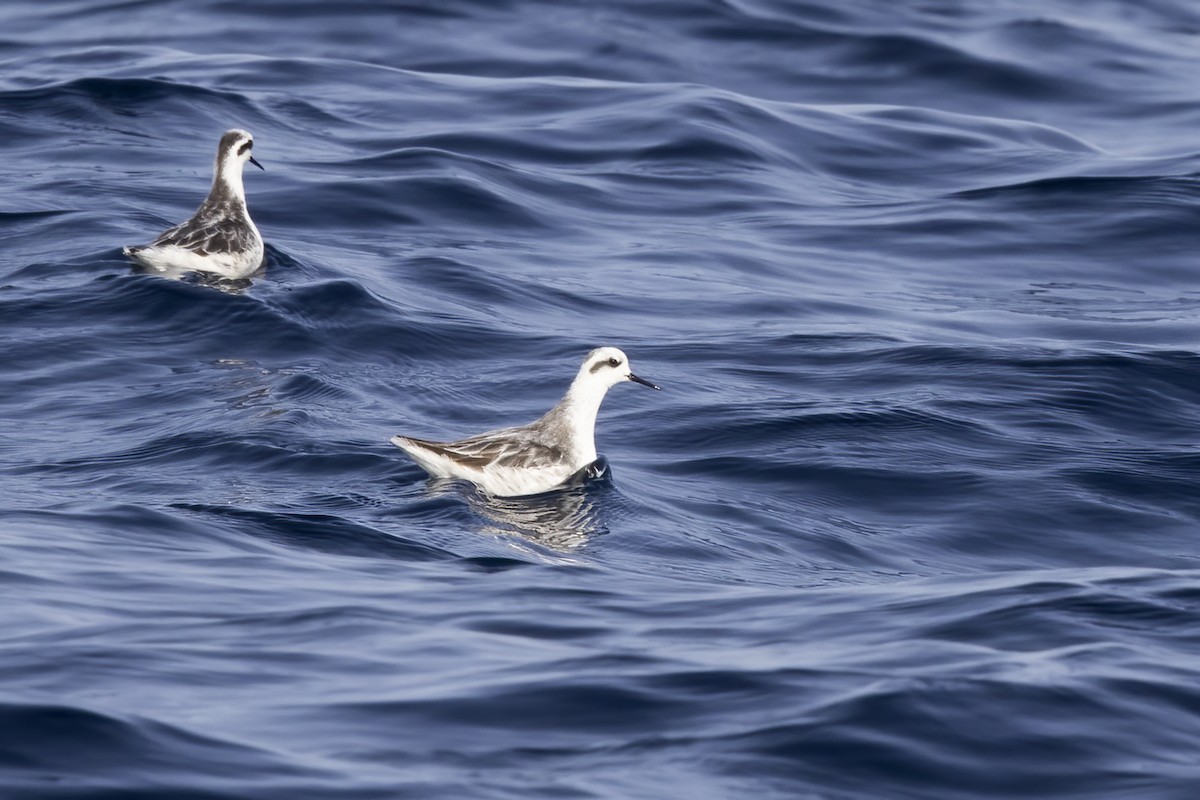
x,y
915,516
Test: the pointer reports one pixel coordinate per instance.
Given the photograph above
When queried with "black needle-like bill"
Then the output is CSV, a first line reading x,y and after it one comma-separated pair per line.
x,y
643,382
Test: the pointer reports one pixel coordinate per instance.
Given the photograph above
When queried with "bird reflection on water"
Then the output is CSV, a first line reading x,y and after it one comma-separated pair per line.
x,y
563,520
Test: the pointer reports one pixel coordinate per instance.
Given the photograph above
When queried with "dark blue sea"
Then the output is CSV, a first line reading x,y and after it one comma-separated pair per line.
x,y
916,514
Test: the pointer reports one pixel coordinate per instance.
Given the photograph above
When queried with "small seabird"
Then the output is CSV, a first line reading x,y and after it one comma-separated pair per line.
x,y
537,457
220,237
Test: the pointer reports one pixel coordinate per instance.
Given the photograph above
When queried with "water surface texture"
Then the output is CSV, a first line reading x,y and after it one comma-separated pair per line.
x,y
915,516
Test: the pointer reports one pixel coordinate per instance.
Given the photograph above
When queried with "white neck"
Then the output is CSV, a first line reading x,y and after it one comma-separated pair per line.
x,y
227,177
579,407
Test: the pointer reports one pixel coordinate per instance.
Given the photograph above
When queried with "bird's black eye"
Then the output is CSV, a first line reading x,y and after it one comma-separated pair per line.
x,y
612,362
246,146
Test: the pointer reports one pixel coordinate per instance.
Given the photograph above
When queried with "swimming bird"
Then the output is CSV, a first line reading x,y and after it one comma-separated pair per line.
x,y
537,457
220,237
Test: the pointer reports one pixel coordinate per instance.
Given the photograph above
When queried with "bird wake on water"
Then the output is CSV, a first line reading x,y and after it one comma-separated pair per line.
x,y
534,458
220,238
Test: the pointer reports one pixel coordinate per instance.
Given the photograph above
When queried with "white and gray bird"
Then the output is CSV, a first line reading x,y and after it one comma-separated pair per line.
x,y
537,457
220,237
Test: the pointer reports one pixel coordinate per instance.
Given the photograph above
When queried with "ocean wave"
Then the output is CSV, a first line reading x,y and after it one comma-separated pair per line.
x,y
915,508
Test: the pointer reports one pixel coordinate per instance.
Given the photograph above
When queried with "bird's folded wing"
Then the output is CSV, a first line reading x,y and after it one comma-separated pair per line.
x,y
501,450
203,237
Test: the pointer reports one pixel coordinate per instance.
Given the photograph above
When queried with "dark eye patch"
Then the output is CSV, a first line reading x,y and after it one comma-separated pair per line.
x,y
594,368
613,362
245,147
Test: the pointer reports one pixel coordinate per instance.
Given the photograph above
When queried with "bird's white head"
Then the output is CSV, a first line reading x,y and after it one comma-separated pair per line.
x,y
235,149
605,367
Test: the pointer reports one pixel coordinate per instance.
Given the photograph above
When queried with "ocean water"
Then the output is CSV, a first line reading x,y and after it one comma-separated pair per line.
x,y
915,516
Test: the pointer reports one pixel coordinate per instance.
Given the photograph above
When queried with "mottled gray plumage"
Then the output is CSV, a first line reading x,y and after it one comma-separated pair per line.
x,y
216,227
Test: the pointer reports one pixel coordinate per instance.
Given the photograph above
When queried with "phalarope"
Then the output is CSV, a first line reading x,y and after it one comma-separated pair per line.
x,y
537,457
220,237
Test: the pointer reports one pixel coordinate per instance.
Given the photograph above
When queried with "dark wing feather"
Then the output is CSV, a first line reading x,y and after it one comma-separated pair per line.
x,y
506,451
447,450
206,236
216,227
